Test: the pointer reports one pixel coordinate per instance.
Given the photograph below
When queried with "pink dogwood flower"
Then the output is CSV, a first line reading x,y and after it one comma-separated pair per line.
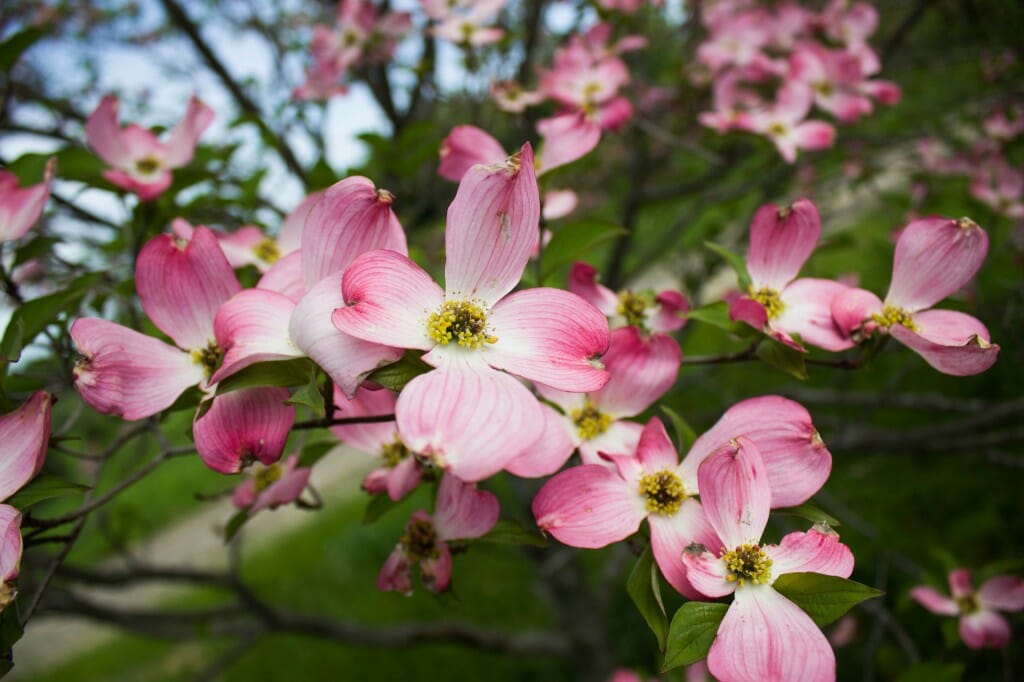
x,y
25,434
763,636
141,163
466,416
639,372
466,23
980,623
21,207
400,470
242,427
594,505
182,285
271,486
649,312
781,240
784,122
462,513
934,258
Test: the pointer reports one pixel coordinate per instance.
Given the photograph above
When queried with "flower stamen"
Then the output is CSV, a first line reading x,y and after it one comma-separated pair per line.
x,y
461,321
770,299
664,492
590,422
748,562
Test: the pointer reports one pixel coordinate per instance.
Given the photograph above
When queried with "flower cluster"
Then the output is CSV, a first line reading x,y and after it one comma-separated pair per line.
x,y
804,59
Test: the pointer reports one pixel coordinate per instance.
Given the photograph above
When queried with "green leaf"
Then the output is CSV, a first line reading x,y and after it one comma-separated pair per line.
x,y
235,524
684,432
509,532
396,375
692,632
310,396
12,48
36,248
272,373
716,314
735,260
10,633
824,598
645,591
782,357
811,513
574,241
44,487
32,317
933,671
314,452
378,506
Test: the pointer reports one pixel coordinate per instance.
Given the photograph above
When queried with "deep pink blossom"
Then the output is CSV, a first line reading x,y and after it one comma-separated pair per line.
x,y
935,257
242,427
21,207
763,636
980,622
781,240
271,486
462,512
139,162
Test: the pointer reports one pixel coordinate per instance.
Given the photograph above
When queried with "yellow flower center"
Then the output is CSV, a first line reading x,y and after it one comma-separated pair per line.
x,y
210,358
147,165
266,476
967,604
748,562
463,322
892,315
394,452
420,540
267,251
590,422
632,307
664,492
770,299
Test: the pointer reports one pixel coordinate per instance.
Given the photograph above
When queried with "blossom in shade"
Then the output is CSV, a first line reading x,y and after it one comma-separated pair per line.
x,y
763,636
783,122
21,207
650,312
639,372
462,512
980,622
399,471
594,505
271,486
242,427
934,258
182,285
25,434
464,415
138,161
781,240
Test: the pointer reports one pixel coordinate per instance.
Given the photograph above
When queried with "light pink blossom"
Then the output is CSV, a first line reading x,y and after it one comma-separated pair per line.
x,y
645,310
980,623
763,636
141,163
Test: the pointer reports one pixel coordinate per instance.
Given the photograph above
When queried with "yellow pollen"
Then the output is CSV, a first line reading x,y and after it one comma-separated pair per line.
x,y
770,299
748,562
664,492
632,307
420,540
590,422
777,129
266,476
460,321
967,604
394,452
210,358
147,165
823,88
267,251
892,315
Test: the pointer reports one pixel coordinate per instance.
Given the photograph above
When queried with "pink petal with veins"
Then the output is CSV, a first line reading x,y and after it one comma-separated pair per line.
x,y
551,336
492,228
781,241
735,493
250,328
25,434
462,511
182,286
127,373
465,147
589,506
247,424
